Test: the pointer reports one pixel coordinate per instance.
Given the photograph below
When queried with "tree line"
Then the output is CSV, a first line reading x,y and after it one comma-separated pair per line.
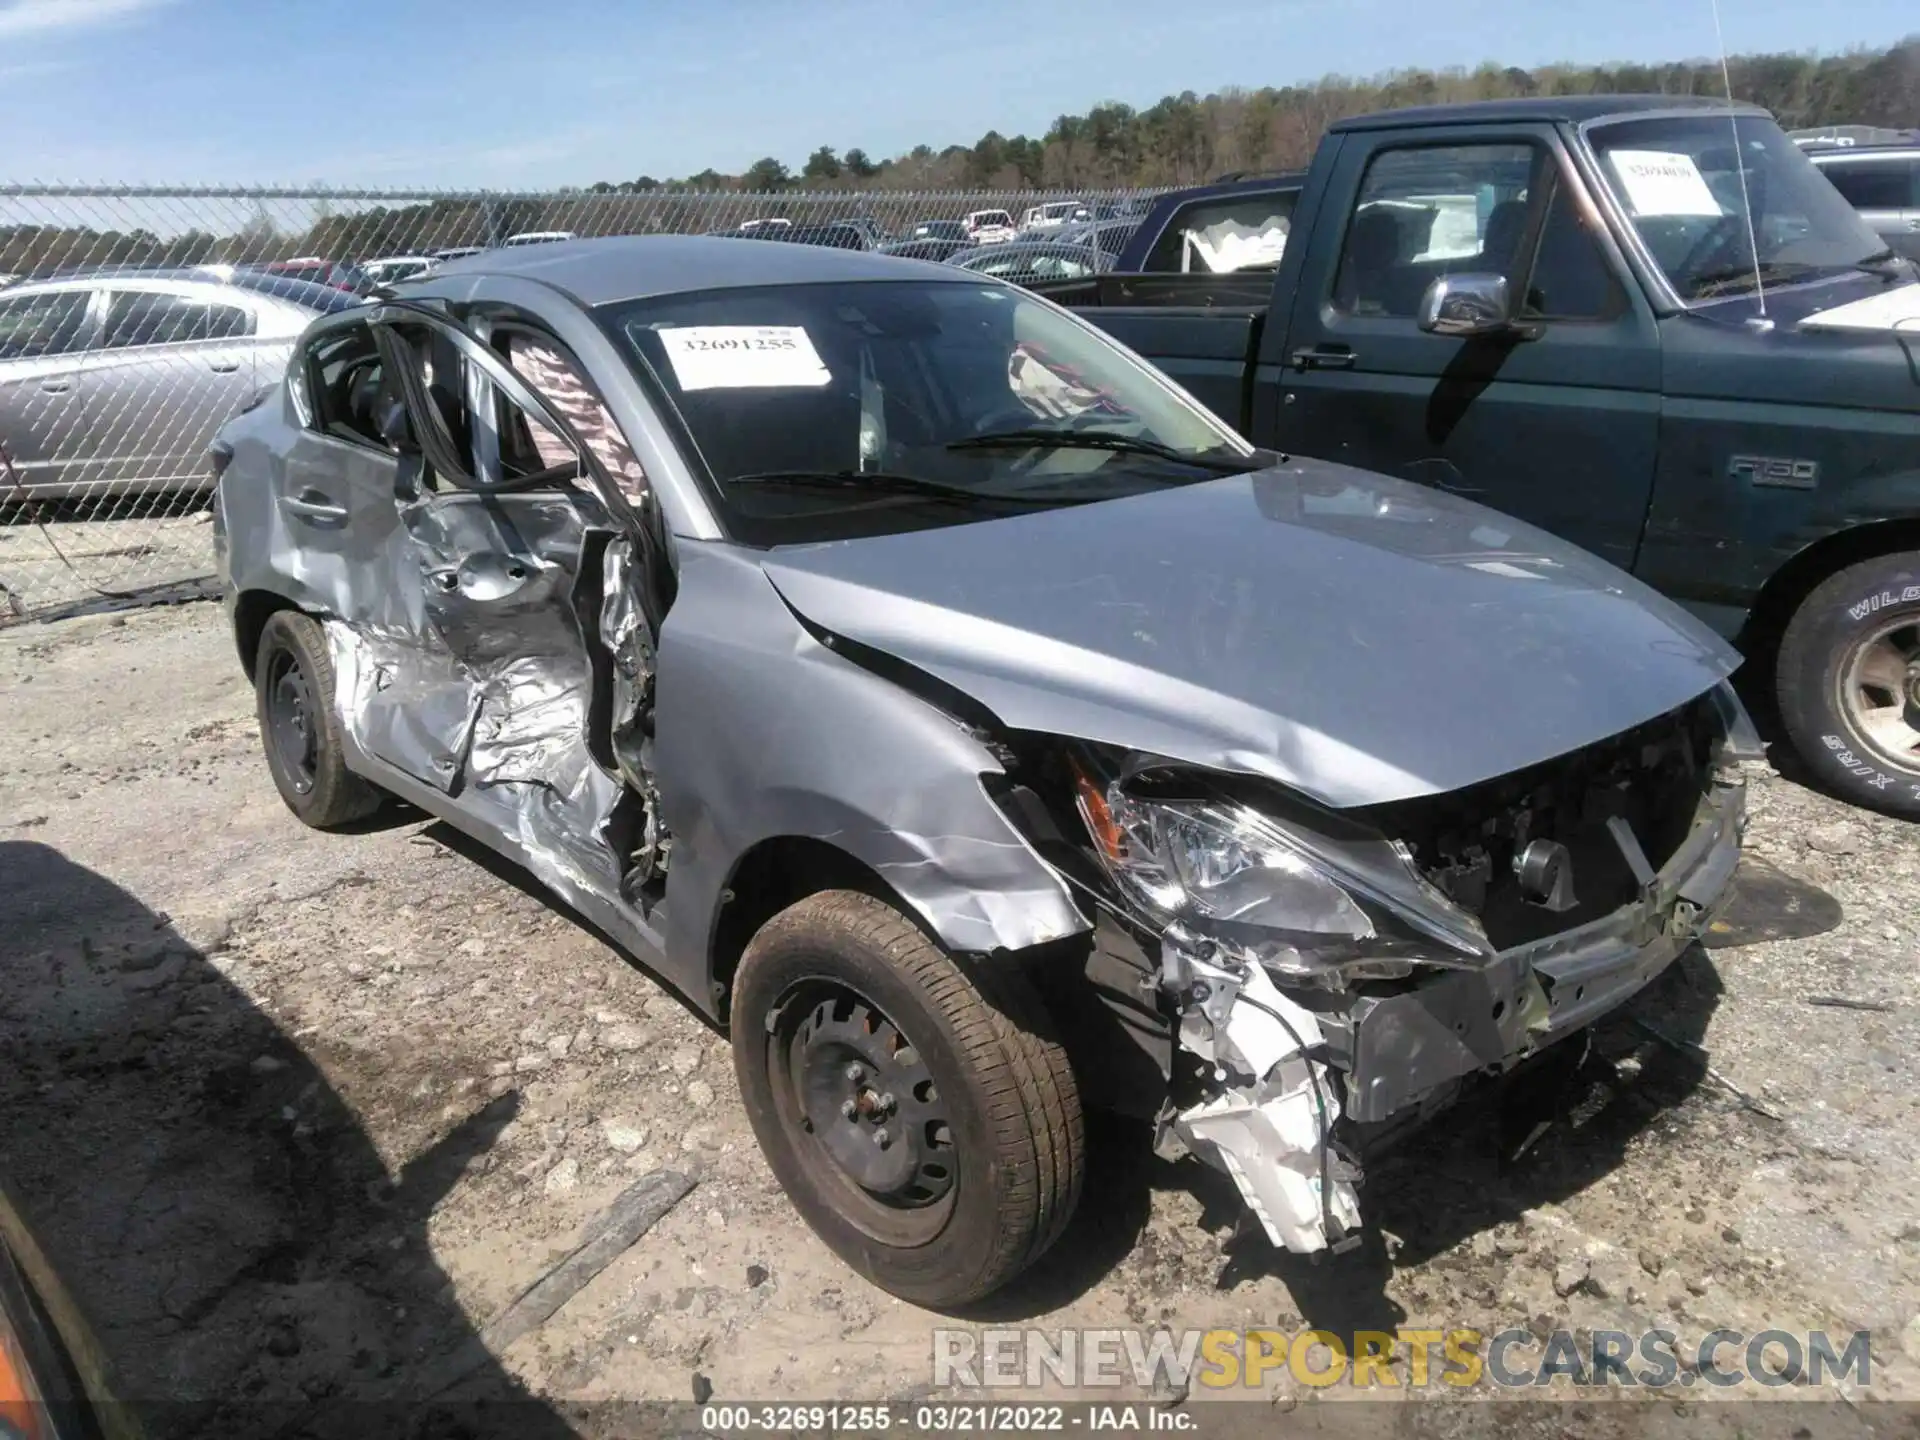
x,y
1187,138
1182,139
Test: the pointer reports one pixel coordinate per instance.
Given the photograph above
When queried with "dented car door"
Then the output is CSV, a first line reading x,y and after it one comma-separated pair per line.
x,y
489,697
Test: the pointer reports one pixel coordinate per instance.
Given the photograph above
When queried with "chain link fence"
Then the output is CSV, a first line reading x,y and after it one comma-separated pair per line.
x,y
135,320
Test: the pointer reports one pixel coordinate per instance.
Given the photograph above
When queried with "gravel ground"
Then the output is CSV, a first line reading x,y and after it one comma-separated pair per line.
x,y
76,555
297,1113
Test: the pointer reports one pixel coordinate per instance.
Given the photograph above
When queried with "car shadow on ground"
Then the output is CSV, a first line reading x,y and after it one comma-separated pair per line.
x,y
244,1255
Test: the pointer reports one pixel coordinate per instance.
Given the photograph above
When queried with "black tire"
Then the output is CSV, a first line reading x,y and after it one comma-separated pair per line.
x,y
995,1074
1841,657
293,696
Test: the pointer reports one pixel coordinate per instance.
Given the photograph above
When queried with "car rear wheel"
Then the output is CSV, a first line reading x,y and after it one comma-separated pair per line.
x,y
1849,683
293,693
917,1109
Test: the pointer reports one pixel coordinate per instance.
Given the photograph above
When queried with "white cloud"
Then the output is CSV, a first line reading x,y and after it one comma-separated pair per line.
x,y
40,17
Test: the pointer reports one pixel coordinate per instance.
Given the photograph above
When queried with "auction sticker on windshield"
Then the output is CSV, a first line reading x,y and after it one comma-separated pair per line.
x,y
1659,182
742,357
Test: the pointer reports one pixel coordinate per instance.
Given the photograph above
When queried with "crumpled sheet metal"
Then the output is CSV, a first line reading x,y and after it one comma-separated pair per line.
x,y
518,762
763,732
1270,1133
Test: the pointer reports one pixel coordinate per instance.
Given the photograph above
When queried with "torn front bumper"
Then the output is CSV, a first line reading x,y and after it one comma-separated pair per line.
x,y
1397,1051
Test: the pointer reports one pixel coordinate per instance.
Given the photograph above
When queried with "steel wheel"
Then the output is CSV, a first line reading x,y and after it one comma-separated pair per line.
x,y
1879,691
290,720
877,1129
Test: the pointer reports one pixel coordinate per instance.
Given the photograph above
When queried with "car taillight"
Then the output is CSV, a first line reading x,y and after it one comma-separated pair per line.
x,y
23,1409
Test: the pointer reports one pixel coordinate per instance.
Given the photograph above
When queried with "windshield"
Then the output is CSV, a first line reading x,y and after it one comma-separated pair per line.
x,y
1680,180
902,381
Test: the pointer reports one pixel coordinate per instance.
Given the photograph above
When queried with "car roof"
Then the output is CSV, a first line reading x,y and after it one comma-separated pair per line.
x,y
1570,109
634,267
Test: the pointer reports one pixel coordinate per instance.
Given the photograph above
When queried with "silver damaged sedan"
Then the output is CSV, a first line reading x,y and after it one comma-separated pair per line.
x,y
938,697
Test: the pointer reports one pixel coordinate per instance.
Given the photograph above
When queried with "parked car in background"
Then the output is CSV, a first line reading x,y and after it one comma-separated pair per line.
x,y
938,250
391,268
114,384
1137,816
761,226
315,271
456,252
1109,236
1022,261
1882,182
875,233
940,230
1052,215
540,237
835,236
989,227
1605,317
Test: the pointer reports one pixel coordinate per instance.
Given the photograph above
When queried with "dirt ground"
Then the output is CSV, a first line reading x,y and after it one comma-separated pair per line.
x,y
298,1113
57,555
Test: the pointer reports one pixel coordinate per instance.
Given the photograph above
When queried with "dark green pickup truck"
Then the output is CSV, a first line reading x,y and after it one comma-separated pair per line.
x,y
1646,324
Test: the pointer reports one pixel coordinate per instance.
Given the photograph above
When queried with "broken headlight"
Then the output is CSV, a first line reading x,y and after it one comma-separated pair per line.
x,y
1268,893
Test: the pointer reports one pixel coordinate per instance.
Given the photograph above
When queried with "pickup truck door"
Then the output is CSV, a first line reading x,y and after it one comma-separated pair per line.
x,y
1556,422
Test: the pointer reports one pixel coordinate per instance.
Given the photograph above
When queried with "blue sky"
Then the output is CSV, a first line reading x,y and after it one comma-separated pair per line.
x,y
545,92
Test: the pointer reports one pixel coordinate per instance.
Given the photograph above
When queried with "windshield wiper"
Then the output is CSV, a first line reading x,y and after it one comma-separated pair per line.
x,y
1884,263
1104,440
1715,282
881,483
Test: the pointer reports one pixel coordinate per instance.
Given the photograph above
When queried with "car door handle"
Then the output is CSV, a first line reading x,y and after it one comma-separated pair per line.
x,y
1324,357
55,387
312,505
223,367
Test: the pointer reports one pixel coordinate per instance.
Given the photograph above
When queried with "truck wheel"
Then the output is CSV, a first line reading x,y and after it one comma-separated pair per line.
x,y
1849,682
293,693
917,1109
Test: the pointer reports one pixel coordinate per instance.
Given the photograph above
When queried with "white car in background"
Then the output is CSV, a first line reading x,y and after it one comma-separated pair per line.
x,y
540,237
1052,215
989,227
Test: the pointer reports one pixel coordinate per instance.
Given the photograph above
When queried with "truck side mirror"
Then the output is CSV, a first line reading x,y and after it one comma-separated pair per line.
x,y
1466,305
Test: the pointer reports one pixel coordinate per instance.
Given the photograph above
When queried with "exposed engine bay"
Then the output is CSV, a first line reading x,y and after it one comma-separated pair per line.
x,y
1326,977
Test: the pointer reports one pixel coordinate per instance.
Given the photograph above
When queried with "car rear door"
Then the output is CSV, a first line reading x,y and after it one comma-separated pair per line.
x,y
43,339
172,367
1556,422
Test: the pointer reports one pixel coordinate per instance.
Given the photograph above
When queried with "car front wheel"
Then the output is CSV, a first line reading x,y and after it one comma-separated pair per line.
x,y
916,1108
1849,683
293,694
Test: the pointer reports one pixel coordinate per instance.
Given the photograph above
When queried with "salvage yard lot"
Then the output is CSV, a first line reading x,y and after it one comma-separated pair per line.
x,y
298,1112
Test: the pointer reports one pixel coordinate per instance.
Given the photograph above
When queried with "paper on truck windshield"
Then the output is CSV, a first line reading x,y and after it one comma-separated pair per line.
x,y
1659,182
743,357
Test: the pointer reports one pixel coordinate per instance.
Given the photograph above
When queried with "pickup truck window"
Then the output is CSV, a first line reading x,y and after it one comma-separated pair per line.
x,y
1240,232
1428,211
1891,184
1679,178
900,382
1432,210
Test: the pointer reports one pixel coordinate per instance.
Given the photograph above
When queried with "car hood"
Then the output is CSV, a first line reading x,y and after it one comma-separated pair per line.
x,y
1358,638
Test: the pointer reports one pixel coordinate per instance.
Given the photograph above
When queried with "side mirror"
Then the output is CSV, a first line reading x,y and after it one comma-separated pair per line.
x,y
1466,305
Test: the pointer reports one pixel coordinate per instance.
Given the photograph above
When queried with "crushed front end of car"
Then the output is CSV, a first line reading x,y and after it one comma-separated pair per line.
x,y
1330,977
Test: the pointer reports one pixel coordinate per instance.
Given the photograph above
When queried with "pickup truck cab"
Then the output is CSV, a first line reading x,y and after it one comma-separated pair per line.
x,y
1602,315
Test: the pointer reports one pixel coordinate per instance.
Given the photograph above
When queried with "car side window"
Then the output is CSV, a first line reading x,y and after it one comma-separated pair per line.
x,y
1427,211
347,386
32,326
139,318
1876,184
1242,232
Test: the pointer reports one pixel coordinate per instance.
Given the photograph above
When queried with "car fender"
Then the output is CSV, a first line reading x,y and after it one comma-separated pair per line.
x,y
763,732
